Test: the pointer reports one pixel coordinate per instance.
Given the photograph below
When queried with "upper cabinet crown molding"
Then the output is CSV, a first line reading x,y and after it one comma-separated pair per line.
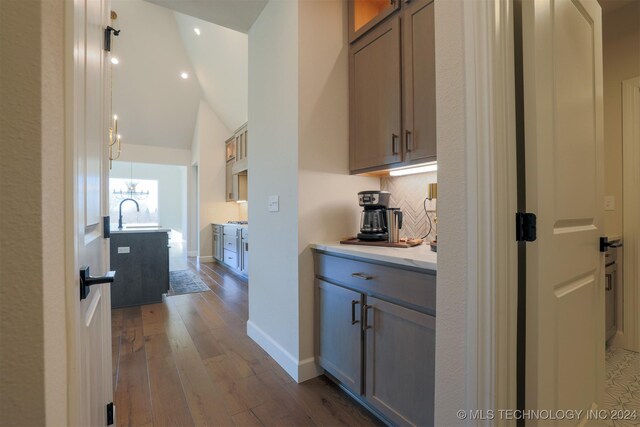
x,y
392,104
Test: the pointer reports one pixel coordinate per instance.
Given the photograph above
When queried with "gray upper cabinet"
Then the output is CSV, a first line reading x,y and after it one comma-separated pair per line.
x,y
366,14
419,83
400,362
339,345
375,93
392,104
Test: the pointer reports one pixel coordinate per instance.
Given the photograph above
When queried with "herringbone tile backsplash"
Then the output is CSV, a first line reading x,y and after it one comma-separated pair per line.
x,y
408,193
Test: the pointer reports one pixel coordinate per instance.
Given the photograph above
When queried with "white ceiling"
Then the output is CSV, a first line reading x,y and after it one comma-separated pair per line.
x,y
238,15
154,105
220,58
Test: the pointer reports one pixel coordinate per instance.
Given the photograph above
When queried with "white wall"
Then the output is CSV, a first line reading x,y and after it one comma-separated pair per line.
x,y
327,195
155,155
172,190
33,358
208,154
621,59
273,166
452,369
298,118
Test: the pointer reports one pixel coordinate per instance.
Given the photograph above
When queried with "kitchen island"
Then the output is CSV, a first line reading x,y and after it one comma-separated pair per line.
x,y
375,327
140,256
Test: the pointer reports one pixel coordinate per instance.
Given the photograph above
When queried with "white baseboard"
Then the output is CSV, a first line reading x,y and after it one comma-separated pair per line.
x,y
192,253
300,371
205,258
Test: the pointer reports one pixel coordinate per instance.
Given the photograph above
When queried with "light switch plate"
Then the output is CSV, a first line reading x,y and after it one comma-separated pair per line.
x,y
609,203
124,249
273,204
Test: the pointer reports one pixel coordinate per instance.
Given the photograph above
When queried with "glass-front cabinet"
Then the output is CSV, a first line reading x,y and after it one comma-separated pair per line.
x,y
365,14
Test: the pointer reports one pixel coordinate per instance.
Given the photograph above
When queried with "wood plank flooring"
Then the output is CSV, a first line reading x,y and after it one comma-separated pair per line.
x,y
188,362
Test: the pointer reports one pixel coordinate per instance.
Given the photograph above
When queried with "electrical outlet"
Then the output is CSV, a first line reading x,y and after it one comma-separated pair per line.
x,y
124,249
273,204
609,203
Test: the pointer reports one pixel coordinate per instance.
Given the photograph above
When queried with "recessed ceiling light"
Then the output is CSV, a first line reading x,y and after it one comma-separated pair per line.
x,y
114,60
184,76
197,31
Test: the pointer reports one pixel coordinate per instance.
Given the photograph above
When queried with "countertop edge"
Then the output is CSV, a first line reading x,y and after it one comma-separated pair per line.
x,y
369,252
141,230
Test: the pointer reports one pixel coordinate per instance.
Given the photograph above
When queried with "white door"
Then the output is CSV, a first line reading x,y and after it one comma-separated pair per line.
x,y
562,54
90,376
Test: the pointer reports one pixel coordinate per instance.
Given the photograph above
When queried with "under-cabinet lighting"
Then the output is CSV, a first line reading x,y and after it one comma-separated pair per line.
x,y
114,60
196,30
241,201
425,167
185,76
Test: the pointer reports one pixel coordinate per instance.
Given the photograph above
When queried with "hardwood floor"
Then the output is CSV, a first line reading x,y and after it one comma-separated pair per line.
x,y
189,362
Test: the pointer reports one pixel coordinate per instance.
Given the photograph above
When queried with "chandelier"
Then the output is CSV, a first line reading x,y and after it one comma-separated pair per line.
x,y
131,193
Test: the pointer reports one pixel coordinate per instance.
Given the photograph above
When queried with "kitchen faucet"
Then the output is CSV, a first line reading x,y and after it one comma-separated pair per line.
x,y
120,218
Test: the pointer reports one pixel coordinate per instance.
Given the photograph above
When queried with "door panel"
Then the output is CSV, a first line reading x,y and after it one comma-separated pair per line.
x,y
374,96
419,81
340,340
396,338
91,384
562,58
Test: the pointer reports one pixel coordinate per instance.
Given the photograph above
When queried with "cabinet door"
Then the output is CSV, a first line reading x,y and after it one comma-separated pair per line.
x,y
400,362
365,14
374,98
339,345
418,41
216,245
229,182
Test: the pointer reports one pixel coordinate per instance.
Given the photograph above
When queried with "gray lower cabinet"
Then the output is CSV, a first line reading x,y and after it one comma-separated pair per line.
x,y
376,335
141,261
339,347
400,362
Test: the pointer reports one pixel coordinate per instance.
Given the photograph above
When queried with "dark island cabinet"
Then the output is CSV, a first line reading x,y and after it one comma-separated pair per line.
x,y
141,261
375,335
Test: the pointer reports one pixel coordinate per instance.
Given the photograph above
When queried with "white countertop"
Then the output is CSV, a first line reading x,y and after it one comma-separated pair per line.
x,y
114,230
224,224
418,256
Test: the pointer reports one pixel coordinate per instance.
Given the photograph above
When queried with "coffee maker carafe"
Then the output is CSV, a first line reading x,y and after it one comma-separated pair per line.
x,y
373,220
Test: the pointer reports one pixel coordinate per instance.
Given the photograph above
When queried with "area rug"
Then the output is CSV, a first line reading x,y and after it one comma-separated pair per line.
x,y
185,282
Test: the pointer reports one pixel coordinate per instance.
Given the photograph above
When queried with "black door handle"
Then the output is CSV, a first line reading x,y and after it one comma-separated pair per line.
x,y
86,280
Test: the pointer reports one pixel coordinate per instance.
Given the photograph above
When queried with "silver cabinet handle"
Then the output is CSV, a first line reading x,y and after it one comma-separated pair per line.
x,y
353,311
361,276
365,320
407,144
394,143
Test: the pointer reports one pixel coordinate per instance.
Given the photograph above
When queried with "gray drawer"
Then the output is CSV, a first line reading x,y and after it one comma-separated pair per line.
x,y
231,243
230,231
409,288
231,259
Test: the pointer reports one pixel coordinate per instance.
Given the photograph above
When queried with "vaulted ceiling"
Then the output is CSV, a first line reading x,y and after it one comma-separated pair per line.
x,y
238,15
155,106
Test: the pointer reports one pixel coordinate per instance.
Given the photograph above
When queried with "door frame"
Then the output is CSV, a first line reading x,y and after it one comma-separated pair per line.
x,y
492,250
631,213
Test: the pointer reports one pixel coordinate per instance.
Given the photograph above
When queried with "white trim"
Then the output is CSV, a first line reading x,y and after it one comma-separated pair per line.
x,y
299,370
492,203
630,335
208,258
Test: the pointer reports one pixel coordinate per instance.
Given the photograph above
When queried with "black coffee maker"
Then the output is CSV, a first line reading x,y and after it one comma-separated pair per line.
x,y
373,220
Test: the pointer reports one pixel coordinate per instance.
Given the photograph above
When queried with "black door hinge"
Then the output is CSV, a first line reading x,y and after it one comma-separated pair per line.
x,y
109,413
107,37
604,244
526,227
106,227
